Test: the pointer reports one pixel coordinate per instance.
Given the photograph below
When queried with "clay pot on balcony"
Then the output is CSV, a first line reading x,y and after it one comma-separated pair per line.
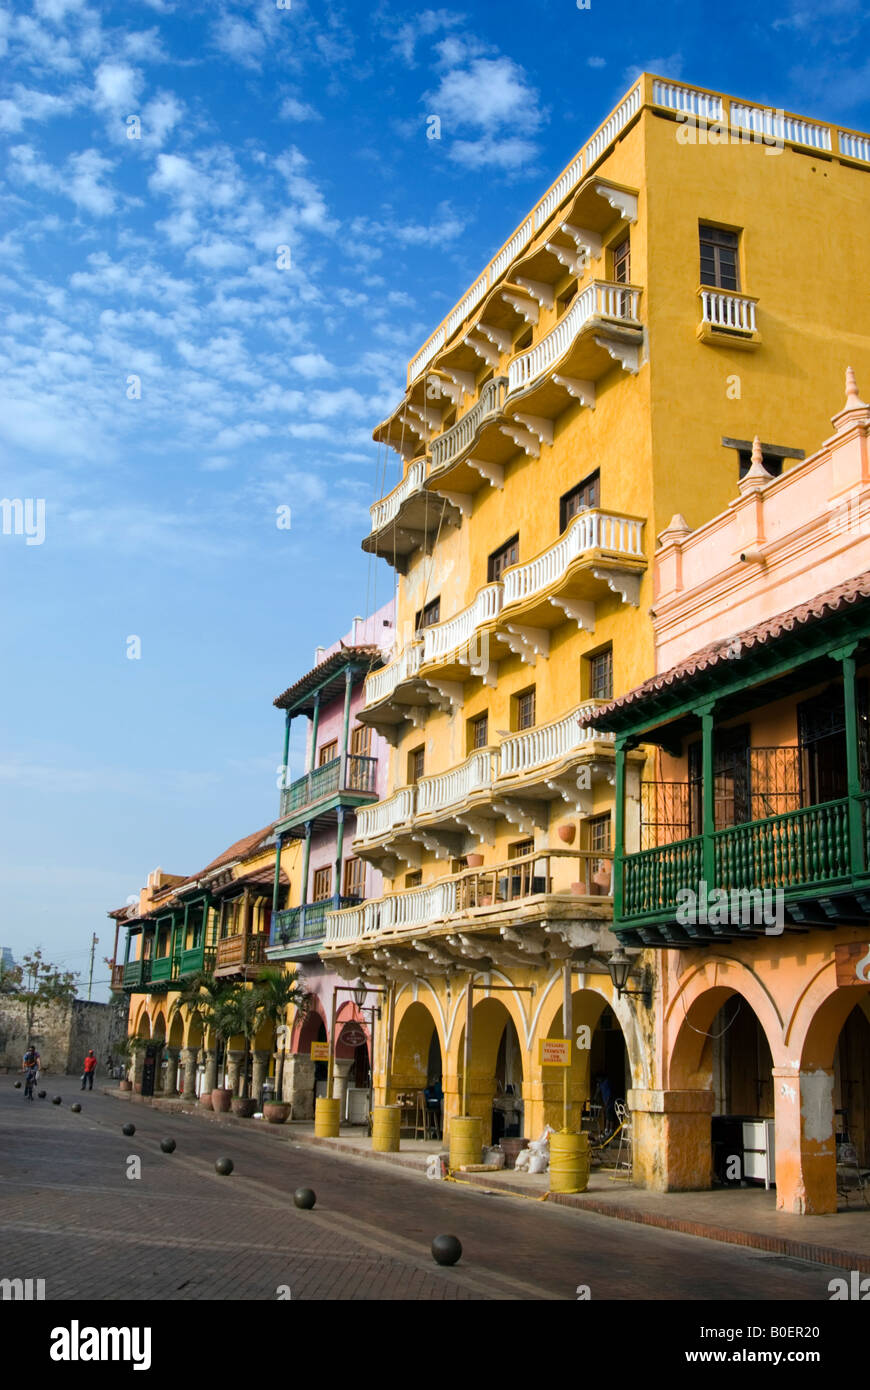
x,y
601,877
580,889
277,1112
244,1106
221,1099
567,833
474,861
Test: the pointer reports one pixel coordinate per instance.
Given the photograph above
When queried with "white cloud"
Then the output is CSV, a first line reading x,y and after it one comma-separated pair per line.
x,y
295,110
239,40
489,103
27,104
216,253
117,86
596,62
311,365
672,66
427,23
85,185
160,117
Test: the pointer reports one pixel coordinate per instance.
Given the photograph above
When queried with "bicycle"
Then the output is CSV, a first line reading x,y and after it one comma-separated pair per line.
x,y
30,1080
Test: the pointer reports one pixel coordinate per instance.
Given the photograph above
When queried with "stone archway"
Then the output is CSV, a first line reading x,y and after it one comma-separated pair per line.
x,y
598,1050
497,1073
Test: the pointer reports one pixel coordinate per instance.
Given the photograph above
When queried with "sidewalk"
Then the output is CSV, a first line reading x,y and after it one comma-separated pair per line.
x,y
734,1216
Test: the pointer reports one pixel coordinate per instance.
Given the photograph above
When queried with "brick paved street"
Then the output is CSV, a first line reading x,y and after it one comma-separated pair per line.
x,y
70,1215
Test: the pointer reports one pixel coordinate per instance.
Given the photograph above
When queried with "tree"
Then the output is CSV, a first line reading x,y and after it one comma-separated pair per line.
x,y
41,985
278,992
202,997
238,1015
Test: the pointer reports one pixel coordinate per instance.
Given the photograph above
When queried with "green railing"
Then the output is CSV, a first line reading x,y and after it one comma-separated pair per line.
x,y
137,972
326,781
794,850
803,849
653,877
307,922
161,968
196,958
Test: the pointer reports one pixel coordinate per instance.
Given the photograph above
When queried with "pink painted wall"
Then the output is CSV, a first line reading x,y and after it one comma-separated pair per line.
x,y
801,533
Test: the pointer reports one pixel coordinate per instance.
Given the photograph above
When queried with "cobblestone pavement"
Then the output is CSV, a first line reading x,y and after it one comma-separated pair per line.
x,y
70,1215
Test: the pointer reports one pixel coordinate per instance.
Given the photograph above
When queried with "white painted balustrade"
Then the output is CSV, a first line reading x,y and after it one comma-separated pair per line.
x,y
443,638
383,816
590,530
560,190
612,126
426,353
601,299
509,250
415,907
774,125
451,788
453,442
379,685
732,311
465,306
547,743
701,104
387,508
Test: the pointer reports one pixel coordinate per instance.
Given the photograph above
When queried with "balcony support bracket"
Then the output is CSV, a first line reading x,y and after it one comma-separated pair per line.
x,y
528,643
580,610
582,391
624,203
523,439
536,425
540,291
626,354
623,582
492,472
523,812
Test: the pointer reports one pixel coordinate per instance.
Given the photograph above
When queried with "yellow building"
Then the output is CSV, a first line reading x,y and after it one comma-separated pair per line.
x,y
668,300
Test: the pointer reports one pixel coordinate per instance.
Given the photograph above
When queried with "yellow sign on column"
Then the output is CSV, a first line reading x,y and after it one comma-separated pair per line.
x,y
555,1052
320,1052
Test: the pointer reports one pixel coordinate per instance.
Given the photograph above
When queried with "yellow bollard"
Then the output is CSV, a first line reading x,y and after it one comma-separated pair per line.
x,y
569,1162
327,1115
466,1140
386,1123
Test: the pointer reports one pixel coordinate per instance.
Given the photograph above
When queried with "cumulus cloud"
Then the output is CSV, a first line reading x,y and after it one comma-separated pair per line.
x,y
487,107
294,110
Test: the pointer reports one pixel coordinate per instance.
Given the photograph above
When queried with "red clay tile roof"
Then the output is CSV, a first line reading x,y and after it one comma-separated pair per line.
x,y
240,850
731,648
332,665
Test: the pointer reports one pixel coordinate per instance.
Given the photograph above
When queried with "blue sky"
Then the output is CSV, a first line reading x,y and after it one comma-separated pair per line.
x,y
165,386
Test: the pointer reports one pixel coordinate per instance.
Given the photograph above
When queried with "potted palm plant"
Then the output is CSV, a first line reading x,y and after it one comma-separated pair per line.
x,y
278,991
238,1015
202,997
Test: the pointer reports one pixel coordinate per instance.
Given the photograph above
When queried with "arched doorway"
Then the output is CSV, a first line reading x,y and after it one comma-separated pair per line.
x,y
852,1086
600,1072
417,1063
722,1048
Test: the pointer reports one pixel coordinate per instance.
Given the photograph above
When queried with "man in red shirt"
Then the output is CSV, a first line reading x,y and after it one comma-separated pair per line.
x,y
90,1068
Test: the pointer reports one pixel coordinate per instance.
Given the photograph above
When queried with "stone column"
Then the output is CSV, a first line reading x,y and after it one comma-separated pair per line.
x,y
210,1080
672,1144
189,1056
806,1145
170,1075
234,1066
341,1081
299,1085
138,1066
259,1071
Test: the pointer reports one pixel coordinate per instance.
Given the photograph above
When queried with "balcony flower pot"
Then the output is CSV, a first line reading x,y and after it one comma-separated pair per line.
x,y
580,889
474,861
567,834
486,901
277,1112
601,878
221,1099
244,1106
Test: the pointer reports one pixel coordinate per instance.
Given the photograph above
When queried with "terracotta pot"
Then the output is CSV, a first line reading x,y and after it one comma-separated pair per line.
x,y
580,889
205,1100
125,1085
486,902
510,1149
474,861
277,1112
245,1106
221,1099
601,878
567,833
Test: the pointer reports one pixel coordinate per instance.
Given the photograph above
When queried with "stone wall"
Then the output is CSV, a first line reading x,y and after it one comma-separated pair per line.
x,y
62,1034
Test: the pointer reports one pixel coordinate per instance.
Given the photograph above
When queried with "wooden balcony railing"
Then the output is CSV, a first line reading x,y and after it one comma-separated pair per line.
x,y
117,977
137,973
241,950
306,922
325,781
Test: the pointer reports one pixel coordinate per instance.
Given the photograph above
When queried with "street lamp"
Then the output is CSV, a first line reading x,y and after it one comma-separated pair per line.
x,y
359,995
619,966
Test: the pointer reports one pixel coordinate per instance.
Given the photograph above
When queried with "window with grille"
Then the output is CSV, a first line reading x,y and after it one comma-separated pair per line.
x,y
508,554
430,614
361,741
524,706
414,878
416,759
719,258
579,499
601,675
520,848
622,262
354,878
478,732
598,842
322,885
328,751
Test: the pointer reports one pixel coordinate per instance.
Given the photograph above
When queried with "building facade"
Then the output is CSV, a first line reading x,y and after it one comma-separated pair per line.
x,y
609,368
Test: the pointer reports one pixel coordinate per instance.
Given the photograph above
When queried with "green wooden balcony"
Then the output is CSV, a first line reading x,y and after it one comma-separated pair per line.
x,y
137,974
317,795
302,929
815,857
196,958
162,969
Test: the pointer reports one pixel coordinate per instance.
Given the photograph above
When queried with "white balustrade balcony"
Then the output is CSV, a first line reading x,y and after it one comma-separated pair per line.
x,y
600,300
453,443
442,639
735,313
414,907
451,788
548,743
383,816
590,530
387,509
381,684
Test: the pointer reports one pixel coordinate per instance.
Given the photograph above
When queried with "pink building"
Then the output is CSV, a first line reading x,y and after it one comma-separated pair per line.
x,y
345,768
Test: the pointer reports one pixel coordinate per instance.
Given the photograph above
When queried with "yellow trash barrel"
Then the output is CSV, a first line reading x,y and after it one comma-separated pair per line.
x,y
466,1140
386,1123
326,1118
569,1162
